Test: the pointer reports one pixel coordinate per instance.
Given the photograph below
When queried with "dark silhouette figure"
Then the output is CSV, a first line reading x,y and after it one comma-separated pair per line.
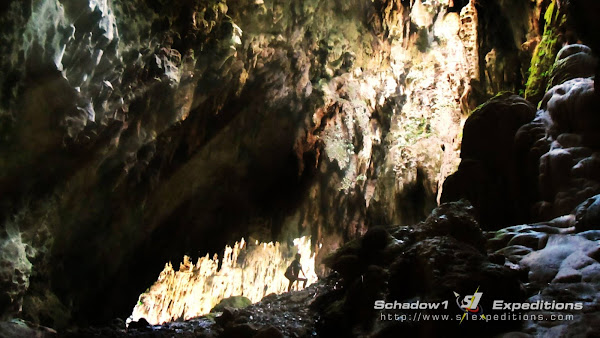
x,y
293,271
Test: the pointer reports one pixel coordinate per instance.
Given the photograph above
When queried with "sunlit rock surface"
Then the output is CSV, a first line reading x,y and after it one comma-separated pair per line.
x,y
252,270
562,267
568,148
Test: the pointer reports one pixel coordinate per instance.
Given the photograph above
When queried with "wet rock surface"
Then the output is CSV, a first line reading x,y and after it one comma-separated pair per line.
x,y
20,328
573,61
563,271
566,171
286,315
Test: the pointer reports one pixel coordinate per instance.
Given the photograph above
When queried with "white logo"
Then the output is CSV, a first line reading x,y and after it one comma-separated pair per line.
x,y
470,304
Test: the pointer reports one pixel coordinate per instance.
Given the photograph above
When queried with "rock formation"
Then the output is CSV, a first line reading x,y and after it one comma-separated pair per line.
x,y
491,173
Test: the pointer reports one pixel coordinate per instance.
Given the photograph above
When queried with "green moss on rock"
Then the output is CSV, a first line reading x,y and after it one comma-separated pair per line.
x,y
236,302
545,53
499,95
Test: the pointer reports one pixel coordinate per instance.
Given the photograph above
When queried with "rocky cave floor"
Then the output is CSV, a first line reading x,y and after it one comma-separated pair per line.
x,y
288,314
552,261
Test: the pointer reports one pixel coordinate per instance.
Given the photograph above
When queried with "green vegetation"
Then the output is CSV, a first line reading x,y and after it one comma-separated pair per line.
x,y
500,95
415,129
236,302
544,55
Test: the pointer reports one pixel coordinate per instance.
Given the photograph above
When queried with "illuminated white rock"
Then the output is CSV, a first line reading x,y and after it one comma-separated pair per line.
x,y
250,270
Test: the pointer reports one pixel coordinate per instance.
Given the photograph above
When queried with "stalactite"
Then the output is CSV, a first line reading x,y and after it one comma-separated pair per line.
x,y
468,35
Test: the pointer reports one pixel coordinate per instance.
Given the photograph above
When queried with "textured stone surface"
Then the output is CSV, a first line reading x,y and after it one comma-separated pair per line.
x,y
545,52
509,33
572,61
20,328
588,214
548,166
15,270
425,262
567,170
564,272
561,252
571,106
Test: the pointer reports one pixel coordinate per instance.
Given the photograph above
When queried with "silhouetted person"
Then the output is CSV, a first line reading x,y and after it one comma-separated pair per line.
x,y
293,271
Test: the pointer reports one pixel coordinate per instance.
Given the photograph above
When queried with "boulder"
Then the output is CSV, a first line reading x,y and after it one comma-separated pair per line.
x,y
227,316
234,302
140,325
572,107
456,220
563,252
489,132
245,330
572,61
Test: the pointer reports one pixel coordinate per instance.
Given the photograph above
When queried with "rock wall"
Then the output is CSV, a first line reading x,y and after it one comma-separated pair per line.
x,y
536,165
538,170
491,173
